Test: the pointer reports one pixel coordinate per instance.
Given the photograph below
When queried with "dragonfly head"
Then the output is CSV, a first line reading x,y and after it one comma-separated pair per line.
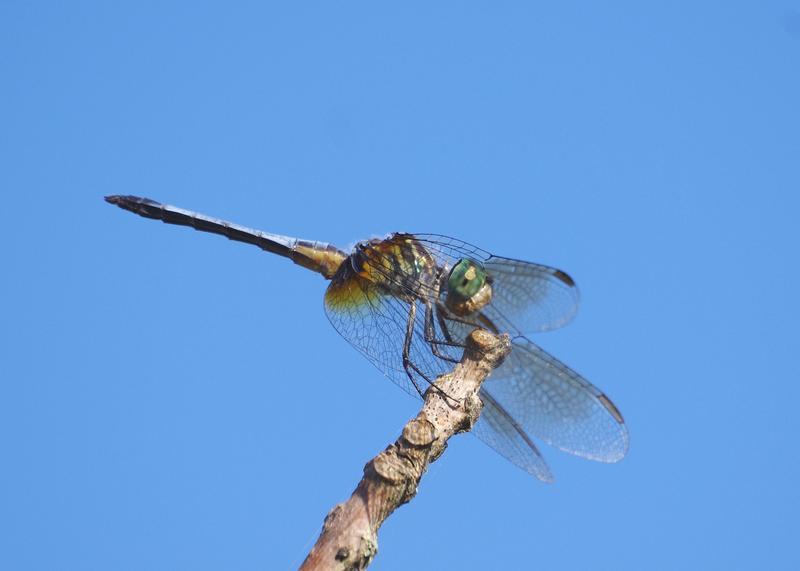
x,y
469,287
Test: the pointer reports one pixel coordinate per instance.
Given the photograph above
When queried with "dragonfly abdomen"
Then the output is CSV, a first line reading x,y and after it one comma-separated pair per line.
x,y
318,256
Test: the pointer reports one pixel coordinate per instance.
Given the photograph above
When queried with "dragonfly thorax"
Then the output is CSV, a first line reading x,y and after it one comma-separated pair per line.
x,y
398,265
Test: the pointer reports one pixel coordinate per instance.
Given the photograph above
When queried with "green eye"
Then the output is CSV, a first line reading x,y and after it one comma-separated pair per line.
x,y
466,278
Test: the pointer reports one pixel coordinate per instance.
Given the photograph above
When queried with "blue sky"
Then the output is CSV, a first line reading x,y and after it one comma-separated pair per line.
x,y
172,400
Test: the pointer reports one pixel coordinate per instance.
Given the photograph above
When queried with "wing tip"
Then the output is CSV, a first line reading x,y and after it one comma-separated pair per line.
x,y
546,477
619,452
611,408
564,277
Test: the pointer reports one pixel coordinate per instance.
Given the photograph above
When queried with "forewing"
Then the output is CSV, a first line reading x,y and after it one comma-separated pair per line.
x,y
552,402
526,297
532,297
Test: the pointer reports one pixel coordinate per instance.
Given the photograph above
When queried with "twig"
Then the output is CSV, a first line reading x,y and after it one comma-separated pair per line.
x,y
349,537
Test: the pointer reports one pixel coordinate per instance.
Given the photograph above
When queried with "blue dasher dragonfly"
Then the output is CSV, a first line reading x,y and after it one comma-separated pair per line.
x,y
408,303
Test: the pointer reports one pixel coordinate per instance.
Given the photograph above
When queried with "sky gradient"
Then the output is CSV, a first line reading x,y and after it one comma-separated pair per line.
x,y
173,400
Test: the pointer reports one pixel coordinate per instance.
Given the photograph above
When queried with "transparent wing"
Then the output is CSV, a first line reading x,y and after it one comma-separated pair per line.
x,y
496,428
552,402
531,296
375,323
526,297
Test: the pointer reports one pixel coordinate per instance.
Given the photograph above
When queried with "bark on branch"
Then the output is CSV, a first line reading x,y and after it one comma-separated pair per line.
x,y
349,537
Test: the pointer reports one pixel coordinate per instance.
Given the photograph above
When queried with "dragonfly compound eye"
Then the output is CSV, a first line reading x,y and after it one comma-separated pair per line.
x,y
466,279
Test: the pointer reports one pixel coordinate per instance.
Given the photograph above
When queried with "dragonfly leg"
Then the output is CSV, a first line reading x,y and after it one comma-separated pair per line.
x,y
430,336
443,326
409,365
482,320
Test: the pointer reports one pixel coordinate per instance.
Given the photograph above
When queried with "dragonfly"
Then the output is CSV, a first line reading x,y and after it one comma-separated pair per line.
x,y
408,302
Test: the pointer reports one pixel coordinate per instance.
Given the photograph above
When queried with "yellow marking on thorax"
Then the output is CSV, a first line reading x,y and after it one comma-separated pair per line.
x,y
383,261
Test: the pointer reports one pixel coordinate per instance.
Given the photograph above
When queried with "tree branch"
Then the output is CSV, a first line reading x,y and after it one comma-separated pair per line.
x,y
349,537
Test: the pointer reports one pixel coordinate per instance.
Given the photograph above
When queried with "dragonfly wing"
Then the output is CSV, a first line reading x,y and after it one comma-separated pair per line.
x,y
526,297
531,297
375,323
551,401
554,403
500,431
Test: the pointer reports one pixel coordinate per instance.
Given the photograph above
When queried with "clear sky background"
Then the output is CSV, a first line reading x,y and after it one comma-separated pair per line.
x,y
172,400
